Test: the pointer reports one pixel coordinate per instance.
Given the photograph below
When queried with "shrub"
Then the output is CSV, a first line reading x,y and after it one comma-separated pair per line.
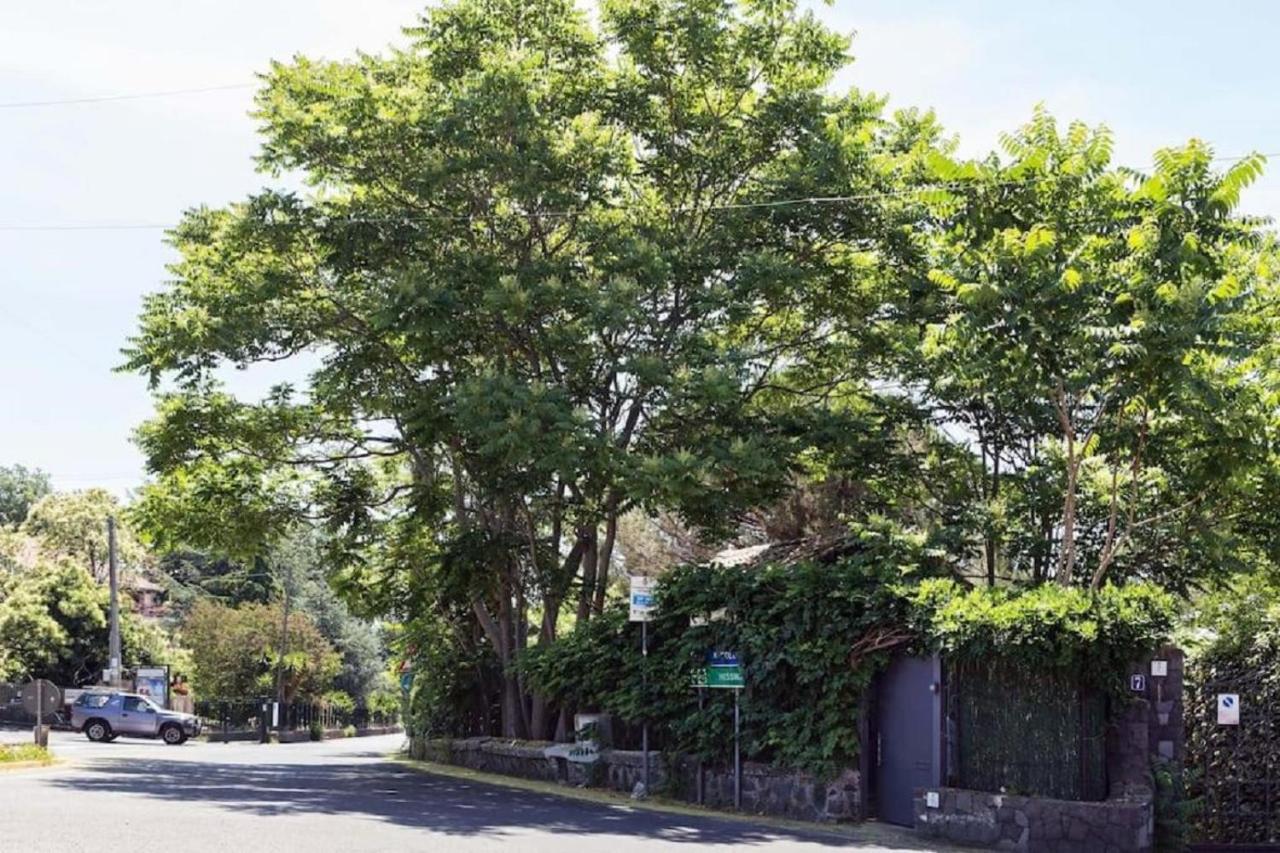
x,y
316,730
349,731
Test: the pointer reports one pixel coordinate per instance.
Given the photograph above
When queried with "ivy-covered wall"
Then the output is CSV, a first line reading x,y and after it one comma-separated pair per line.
x,y
813,634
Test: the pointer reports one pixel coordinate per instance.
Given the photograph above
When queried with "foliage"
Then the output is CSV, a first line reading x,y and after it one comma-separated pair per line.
x,y
1174,809
235,652
358,640
190,575
452,674
1102,339
10,753
810,635
20,488
53,624
338,701
553,277
1094,633
550,284
74,525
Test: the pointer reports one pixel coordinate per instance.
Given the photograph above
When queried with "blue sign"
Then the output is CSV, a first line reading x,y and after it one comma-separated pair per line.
x,y
718,658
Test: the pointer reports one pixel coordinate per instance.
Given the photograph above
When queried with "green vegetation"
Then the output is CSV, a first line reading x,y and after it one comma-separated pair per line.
x,y
587,290
812,635
25,752
236,652
20,487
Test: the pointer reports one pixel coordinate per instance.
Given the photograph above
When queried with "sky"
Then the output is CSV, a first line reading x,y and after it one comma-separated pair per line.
x,y
1157,73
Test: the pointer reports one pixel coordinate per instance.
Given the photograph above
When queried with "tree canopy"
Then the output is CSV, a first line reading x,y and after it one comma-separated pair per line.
x,y
20,487
561,271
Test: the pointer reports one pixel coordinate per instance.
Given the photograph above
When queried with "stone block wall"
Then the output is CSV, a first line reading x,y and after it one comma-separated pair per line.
x,y
765,789
1041,825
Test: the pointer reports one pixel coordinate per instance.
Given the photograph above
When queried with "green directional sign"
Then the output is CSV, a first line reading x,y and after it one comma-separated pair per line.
x,y
723,671
725,677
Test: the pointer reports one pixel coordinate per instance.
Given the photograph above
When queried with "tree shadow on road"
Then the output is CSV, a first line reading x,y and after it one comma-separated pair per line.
x,y
399,795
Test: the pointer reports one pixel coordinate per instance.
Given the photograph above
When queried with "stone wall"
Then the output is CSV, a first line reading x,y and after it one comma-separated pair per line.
x,y
765,789
1008,822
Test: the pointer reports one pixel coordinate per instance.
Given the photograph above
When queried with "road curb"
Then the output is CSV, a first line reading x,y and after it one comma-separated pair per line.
x,y
859,833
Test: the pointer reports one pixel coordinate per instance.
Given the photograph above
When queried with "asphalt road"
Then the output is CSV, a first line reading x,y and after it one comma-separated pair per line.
x,y
333,796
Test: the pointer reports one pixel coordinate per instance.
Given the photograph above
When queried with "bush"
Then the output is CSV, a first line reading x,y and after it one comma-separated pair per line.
x,y
349,731
338,701
316,730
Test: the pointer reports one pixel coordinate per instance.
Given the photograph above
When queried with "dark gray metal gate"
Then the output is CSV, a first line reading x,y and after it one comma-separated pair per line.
x,y
908,735
1235,769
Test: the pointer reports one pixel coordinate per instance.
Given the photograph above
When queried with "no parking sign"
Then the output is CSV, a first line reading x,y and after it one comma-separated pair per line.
x,y
1228,709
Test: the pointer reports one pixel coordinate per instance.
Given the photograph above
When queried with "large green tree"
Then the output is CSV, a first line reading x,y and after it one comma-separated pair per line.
x,y
53,624
553,268
1103,339
236,652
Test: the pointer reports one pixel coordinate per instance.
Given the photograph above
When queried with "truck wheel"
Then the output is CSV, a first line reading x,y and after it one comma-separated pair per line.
x,y
97,731
173,735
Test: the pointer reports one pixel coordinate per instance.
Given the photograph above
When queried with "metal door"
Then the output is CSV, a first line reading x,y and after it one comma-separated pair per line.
x,y
908,735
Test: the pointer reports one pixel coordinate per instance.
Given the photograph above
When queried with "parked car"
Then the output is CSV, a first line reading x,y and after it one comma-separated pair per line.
x,y
105,716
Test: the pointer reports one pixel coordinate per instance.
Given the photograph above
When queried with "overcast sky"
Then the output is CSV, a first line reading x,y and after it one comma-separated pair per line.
x,y
1156,72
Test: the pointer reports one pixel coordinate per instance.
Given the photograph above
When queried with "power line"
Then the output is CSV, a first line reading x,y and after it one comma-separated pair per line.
x,y
129,96
561,214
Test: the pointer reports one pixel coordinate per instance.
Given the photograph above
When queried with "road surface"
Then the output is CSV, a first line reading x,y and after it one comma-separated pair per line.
x,y
334,796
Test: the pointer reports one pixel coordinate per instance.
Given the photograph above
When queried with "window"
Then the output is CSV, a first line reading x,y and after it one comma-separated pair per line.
x,y
93,700
137,703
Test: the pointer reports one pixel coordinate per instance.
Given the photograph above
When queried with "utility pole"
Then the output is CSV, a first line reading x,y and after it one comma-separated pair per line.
x,y
284,640
113,650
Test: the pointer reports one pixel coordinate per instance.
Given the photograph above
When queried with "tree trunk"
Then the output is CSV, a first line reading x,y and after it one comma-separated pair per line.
x,y
590,558
605,559
1067,565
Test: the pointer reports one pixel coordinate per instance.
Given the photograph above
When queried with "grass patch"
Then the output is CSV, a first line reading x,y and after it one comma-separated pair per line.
x,y
23,752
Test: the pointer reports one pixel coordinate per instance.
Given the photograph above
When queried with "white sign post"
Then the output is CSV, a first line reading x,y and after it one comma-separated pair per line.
x,y
642,612
1228,709
641,598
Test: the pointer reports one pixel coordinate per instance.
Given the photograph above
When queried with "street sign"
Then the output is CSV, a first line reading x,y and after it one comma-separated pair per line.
x,y
723,671
1138,683
41,698
1228,709
642,604
725,678
406,682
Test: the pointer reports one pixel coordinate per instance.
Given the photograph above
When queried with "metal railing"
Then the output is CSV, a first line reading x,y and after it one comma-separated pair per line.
x,y
240,716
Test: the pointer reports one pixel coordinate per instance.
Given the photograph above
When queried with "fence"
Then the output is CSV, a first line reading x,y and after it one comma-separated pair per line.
x,y
1234,769
242,715
1015,732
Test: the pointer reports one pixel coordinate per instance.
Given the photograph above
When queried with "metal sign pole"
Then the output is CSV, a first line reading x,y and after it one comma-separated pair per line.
x,y
39,709
701,780
644,682
737,753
